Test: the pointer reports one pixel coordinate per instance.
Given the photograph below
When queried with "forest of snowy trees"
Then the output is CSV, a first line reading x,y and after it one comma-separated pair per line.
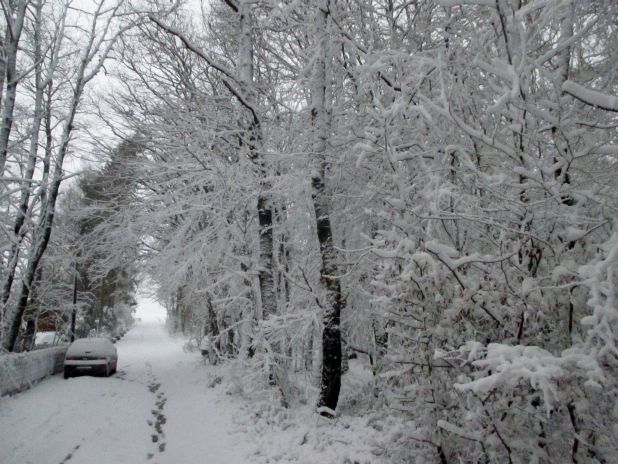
x,y
430,186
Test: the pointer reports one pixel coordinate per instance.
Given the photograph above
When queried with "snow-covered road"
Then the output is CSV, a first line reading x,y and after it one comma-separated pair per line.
x,y
157,409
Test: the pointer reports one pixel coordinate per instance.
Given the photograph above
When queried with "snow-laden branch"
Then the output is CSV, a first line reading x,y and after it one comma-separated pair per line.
x,y
509,366
450,3
211,62
591,97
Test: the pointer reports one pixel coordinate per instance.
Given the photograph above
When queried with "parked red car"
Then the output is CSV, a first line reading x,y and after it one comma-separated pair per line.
x,y
90,356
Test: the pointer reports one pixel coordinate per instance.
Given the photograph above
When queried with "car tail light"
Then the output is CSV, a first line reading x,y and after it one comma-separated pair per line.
x,y
71,357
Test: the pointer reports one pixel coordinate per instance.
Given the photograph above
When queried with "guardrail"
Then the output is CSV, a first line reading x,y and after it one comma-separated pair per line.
x,y
18,371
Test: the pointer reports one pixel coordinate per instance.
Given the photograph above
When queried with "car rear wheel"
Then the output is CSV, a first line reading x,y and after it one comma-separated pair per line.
x,y
68,372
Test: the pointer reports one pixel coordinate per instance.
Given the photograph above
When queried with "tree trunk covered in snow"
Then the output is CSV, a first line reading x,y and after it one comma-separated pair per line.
x,y
265,216
267,282
3,43
15,16
333,304
100,40
41,240
19,227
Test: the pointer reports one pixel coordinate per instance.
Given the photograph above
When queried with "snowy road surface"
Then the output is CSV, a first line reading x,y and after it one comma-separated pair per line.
x,y
157,409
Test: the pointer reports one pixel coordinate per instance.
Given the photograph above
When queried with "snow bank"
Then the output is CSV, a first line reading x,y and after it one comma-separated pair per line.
x,y
20,370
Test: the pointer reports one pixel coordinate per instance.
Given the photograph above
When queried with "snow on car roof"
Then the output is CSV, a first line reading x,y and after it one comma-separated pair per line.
x,y
102,345
92,340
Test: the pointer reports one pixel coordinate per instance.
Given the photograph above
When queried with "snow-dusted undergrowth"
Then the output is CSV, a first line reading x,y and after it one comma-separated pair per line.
x,y
297,434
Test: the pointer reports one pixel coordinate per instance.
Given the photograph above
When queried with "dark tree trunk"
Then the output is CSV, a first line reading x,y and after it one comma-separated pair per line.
x,y
38,249
331,337
212,331
28,340
213,325
74,310
282,261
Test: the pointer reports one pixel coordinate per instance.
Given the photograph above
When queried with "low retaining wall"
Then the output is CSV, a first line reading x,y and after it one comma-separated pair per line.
x,y
19,371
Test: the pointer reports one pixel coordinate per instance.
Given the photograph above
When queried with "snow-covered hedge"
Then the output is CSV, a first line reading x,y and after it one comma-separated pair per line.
x,y
20,370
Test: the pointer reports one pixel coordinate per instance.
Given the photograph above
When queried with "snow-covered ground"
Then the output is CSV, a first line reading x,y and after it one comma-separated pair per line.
x,y
157,409
164,406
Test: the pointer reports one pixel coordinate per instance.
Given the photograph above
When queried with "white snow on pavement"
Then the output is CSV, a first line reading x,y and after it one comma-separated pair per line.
x,y
93,420
164,407
159,391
